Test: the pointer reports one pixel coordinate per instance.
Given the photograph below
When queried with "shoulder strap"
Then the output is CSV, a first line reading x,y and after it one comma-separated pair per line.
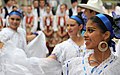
x,y
6,12
70,12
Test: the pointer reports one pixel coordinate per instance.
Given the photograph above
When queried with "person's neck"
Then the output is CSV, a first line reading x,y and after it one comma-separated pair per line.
x,y
99,56
13,29
78,40
41,7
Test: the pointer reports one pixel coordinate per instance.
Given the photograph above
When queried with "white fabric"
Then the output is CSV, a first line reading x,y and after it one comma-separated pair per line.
x,y
50,67
75,66
13,61
18,38
117,10
9,9
10,53
42,11
74,10
68,49
96,5
37,47
14,69
117,53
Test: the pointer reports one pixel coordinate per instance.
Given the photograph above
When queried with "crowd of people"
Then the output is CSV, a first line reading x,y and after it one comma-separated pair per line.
x,y
37,40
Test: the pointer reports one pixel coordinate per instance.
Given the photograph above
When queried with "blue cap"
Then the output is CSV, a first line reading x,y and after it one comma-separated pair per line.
x,y
15,13
107,23
77,19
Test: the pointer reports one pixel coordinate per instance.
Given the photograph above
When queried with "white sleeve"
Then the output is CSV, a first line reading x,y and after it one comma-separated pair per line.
x,y
58,51
118,49
47,64
37,47
15,69
5,35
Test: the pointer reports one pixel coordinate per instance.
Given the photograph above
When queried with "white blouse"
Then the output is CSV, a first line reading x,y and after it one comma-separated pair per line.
x,y
17,37
80,66
68,49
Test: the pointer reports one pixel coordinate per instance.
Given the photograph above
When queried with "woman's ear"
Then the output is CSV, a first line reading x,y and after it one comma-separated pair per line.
x,y
106,35
81,27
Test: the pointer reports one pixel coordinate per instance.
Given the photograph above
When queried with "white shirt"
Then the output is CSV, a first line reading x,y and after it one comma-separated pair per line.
x,y
67,50
117,53
18,38
74,10
117,10
81,66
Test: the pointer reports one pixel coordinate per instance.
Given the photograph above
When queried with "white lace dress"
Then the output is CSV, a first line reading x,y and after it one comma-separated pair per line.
x,y
17,37
69,49
80,66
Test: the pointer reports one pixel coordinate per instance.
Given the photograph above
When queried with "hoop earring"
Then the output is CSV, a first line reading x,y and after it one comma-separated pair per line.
x,y
103,46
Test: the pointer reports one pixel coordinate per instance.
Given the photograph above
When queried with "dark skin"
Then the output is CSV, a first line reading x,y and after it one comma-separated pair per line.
x,y
92,30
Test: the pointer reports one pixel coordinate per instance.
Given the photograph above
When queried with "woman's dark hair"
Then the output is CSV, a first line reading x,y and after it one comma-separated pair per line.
x,y
100,23
81,19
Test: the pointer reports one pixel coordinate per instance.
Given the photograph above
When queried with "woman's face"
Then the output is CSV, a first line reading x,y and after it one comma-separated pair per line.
x,y
14,21
93,35
72,27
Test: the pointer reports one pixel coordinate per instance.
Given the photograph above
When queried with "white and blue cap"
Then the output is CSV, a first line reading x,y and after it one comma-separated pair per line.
x,y
16,13
107,23
76,18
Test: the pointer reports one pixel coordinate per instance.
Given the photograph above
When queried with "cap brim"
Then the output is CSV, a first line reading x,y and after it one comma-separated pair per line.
x,y
86,6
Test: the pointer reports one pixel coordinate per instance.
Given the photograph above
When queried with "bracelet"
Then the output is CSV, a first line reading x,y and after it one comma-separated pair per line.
x,y
35,33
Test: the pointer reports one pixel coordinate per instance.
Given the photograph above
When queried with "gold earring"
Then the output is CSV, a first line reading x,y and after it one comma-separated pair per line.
x,y
103,46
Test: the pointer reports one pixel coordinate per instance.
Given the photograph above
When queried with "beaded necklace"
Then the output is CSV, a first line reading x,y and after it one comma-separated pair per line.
x,y
98,70
105,64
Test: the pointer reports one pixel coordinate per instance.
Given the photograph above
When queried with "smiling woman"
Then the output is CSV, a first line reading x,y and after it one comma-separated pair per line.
x,y
100,30
74,46
14,19
14,32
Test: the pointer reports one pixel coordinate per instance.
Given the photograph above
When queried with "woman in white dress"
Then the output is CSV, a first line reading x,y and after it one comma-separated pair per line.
x,y
100,30
13,60
12,46
14,33
74,46
19,38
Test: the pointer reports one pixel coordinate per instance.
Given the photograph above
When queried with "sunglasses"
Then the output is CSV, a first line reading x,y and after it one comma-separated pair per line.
x,y
17,19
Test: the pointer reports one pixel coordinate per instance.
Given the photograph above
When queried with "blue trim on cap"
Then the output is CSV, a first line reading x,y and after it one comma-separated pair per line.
x,y
15,13
107,23
77,19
